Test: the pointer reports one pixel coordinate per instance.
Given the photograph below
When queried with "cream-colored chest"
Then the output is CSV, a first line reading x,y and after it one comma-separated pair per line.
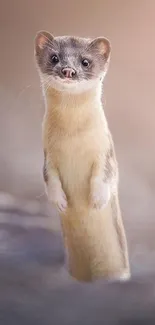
x,y
74,155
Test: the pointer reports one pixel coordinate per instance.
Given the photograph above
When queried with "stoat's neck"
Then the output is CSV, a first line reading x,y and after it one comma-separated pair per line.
x,y
68,111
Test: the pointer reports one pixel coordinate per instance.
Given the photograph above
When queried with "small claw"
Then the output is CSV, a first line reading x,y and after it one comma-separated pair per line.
x,y
58,198
62,206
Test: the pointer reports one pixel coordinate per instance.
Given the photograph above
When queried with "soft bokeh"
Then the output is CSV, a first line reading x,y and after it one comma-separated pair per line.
x,y
129,98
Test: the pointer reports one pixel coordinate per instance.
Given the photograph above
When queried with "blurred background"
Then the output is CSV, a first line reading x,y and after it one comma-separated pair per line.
x,y
129,99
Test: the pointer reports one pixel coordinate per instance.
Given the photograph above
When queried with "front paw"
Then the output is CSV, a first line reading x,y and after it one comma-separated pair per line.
x,y
58,198
100,194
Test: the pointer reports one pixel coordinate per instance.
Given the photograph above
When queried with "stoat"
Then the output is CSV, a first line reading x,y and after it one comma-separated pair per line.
x,y
80,167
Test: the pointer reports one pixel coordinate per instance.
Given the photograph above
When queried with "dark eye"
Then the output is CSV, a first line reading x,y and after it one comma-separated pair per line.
x,y
54,59
85,63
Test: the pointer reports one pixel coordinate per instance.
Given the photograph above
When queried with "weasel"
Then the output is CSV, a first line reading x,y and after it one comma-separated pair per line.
x,y
80,167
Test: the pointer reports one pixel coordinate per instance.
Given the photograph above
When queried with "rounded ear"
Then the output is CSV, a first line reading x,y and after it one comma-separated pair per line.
x,y
102,45
41,40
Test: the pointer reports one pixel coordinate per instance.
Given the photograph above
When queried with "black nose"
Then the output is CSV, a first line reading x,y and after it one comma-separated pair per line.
x,y
68,72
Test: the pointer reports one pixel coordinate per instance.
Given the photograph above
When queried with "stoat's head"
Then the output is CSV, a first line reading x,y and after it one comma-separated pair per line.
x,y
71,64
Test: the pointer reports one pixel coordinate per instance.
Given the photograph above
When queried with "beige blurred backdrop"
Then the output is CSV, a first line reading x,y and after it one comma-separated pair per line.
x,y
129,97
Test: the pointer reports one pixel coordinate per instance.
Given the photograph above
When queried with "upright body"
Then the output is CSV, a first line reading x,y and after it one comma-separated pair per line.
x,y
80,167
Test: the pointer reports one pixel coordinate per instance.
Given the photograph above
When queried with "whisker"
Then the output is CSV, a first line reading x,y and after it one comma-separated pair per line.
x,y
47,38
41,195
46,84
